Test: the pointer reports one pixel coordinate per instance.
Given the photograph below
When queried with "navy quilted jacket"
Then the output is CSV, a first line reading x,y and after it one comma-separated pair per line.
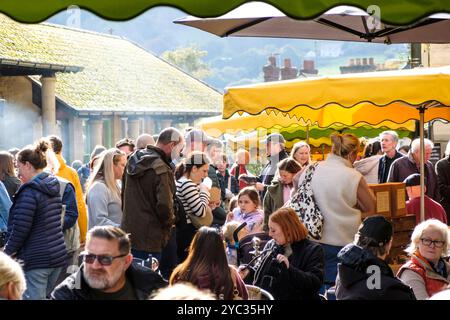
x,y
34,226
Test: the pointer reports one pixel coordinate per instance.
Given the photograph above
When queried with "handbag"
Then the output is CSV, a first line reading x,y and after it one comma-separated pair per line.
x,y
305,206
206,220
71,235
236,293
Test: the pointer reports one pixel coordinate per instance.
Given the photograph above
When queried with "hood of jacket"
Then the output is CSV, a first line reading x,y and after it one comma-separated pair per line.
x,y
43,182
367,164
353,263
144,159
274,187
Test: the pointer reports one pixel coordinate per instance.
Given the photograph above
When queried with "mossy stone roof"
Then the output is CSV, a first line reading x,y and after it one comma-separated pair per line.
x,y
118,75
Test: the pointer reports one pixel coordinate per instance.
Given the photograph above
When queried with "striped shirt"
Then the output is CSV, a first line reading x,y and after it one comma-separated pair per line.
x,y
194,201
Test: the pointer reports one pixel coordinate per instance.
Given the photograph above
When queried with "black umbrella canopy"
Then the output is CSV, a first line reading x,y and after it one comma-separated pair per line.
x,y
343,23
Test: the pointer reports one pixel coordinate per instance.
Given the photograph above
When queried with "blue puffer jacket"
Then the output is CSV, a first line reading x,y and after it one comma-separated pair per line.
x,y
34,226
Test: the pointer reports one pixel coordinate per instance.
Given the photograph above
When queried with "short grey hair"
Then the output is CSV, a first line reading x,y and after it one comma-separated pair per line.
x,y
415,145
420,229
392,133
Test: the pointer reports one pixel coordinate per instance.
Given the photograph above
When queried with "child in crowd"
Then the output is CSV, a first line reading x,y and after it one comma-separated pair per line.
x,y
248,210
228,230
233,204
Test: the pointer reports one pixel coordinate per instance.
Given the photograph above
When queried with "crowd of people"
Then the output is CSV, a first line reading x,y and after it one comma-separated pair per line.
x,y
175,216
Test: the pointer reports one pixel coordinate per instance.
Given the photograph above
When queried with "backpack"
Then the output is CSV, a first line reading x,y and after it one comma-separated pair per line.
x,y
180,213
71,235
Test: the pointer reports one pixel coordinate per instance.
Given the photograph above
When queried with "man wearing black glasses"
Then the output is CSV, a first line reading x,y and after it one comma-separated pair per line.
x,y
107,272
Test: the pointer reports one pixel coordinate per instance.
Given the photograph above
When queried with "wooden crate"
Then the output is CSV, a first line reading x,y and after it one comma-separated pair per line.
x,y
401,238
398,203
404,223
382,194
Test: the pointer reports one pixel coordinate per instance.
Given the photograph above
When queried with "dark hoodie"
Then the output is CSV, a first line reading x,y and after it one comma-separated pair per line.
x,y
353,283
34,226
148,189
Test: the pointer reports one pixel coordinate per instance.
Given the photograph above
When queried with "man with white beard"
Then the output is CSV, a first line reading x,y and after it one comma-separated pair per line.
x,y
107,272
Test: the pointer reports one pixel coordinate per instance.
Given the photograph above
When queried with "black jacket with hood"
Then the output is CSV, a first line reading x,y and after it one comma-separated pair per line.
x,y
357,277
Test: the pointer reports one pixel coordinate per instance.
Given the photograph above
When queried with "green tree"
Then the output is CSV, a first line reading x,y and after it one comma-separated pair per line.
x,y
189,59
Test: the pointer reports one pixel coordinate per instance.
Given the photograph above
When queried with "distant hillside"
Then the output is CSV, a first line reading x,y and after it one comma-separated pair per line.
x,y
234,61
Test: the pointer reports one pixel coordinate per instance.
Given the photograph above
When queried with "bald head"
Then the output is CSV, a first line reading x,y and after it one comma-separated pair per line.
x,y
143,140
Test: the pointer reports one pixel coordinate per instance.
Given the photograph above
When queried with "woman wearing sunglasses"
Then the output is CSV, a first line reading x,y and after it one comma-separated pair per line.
x,y
427,272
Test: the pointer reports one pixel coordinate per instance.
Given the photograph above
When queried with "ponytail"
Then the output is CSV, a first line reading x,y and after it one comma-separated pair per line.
x,y
35,155
194,159
180,170
336,141
344,144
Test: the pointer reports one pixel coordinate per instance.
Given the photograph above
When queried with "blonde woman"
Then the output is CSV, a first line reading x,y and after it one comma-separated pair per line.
x,y
301,152
12,279
427,272
103,191
341,193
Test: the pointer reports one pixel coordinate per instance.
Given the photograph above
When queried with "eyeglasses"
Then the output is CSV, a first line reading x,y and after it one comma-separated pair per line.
x,y
437,243
103,260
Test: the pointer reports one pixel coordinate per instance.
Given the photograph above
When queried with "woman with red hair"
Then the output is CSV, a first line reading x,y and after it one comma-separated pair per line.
x,y
292,266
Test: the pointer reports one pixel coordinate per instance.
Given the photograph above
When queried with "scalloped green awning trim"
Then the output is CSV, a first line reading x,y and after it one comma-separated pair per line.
x,y
398,12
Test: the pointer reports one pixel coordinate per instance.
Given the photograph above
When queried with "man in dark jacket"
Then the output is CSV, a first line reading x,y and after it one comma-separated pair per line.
x,y
443,177
276,152
389,141
214,151
148,195
107,272
362,272
405,166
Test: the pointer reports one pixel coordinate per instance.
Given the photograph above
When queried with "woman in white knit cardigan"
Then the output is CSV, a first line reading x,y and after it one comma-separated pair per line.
x,y
341,193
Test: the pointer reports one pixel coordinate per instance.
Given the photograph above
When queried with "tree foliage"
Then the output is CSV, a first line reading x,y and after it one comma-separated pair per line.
x,y
189,59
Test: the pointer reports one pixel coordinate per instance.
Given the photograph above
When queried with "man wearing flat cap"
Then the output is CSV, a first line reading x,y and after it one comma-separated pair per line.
x,y
433,209
363,273
275,153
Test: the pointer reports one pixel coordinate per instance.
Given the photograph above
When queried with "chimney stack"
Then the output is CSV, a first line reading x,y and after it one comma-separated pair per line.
x,y
309,67
271,71
288,72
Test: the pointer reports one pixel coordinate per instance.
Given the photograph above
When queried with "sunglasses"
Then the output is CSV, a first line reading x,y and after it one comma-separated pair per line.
x,y
103,260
